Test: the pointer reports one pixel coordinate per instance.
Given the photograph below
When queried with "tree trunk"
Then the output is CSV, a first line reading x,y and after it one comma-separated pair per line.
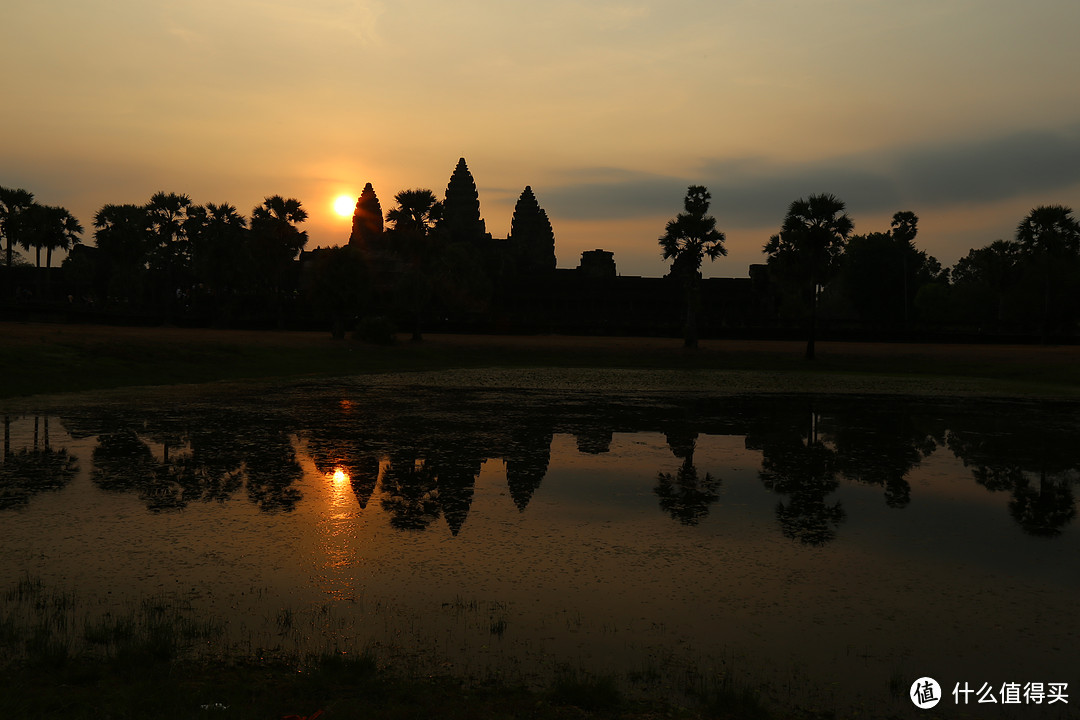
x,y
1046,302
813,320
690,330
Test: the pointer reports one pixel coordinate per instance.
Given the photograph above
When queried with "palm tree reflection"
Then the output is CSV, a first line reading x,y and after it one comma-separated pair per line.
x,y
32,470
685,495
1016,454
804,469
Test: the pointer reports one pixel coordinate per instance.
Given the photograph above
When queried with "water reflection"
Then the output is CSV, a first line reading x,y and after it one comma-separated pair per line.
x,y
854,537
685,495
33,469
798,465
1010,453
420,456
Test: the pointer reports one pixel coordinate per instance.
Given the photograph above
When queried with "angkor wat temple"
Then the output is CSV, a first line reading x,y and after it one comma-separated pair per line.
x,y
512,284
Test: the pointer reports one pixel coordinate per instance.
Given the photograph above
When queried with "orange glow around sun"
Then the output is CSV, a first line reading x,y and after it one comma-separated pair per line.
x,y
343,205
339,476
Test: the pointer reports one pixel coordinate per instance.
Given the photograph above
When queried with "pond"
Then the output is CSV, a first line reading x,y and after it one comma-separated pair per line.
x,y
823,550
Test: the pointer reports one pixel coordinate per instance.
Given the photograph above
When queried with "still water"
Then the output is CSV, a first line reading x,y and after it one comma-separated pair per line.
x,y
824,550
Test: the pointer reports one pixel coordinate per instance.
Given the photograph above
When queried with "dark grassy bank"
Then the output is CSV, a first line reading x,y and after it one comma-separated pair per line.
x,y
37,358
159,658
344,688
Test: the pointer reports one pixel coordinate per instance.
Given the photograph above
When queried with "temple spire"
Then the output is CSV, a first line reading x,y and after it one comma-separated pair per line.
x,y
531,235
461,210
367,224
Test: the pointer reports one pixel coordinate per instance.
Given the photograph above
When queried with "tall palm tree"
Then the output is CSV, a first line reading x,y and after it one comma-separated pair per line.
x,y
170,252
1049,236
66,236
216,234
414,221
48,227
904,228
417,211
123,238
167,212
275,223
12,203
275,241
809,245
687,240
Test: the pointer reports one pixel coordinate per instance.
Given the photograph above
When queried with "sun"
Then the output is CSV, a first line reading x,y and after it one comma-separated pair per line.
x,y
343,205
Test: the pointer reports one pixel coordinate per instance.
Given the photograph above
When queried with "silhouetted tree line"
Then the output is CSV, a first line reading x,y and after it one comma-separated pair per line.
x,y
427,262
881,282
420,454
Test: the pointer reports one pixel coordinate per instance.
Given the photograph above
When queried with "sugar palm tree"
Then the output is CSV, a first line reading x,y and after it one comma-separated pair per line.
x,y
48,227
274,222
167,212
809,244
904,228
414,221
1050,237
66,230
123,237
275,241
12,203
216,235
687,240
417,211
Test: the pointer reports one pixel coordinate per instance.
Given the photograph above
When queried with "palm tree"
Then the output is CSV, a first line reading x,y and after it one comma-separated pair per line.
x,y
687,240
49,227
275,223
414,221
12,203
276,241
216,235
905,226
31,229
1049,236
167,212
809,244
417,211
123,238
170,251
66,233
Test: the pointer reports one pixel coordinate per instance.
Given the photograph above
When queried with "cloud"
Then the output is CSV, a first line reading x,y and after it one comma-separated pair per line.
x,y
752,192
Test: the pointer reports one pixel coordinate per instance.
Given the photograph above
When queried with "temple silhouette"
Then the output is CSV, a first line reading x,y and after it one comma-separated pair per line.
x,y
514,284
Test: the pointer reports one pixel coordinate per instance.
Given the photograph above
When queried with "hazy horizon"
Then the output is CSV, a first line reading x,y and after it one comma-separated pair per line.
x,y
961,112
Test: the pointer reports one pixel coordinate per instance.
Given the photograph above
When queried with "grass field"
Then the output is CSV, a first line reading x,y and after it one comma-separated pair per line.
x,y
45,359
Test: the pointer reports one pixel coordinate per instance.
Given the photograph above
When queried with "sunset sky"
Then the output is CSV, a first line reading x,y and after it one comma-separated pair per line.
x,y
966,112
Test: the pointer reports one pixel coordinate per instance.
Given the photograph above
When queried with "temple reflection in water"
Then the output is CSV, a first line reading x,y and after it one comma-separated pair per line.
x,y
588,528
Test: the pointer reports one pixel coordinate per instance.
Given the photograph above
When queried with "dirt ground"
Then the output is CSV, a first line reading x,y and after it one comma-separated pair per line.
x,y
1035,355
569,363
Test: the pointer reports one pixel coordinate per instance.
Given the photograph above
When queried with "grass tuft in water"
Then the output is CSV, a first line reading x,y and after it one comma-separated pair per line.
x,y
587,692
724,698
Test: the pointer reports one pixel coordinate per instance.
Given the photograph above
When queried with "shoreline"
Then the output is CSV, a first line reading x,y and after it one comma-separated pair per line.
x,y
41,361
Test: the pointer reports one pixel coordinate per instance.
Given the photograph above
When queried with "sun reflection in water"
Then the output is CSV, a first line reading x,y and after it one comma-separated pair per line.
x,y
339,486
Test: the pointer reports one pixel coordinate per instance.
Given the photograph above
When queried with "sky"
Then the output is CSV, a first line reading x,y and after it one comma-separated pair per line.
x,y
965,112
